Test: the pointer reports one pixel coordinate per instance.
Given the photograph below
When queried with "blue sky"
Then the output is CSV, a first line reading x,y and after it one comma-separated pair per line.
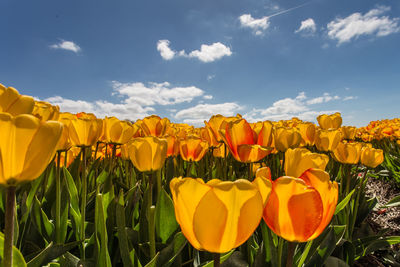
x,y
187,60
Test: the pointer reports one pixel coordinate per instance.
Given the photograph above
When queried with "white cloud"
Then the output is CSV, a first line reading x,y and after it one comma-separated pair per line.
x,y
286,108
210,77
371,23
198,114
207,53
165,52
349,98
307,26
137,100
210,53
155,93
257,25
66,45
322,99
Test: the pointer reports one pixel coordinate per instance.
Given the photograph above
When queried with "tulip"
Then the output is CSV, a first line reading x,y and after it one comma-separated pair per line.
x,y
241,141
14,103
218,122
371,157
327,140
221,151
265,134
64,143
148,153
173,145
154,126
347,153
307,131
27,146
286,138
45,111
118,132
348,132
332,121
85,131
216,216
192,148
299,209
298,160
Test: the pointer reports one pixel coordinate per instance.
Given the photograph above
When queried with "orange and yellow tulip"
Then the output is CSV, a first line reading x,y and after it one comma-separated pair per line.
x,y
347,153
333,121
286,137
148,153
84,130
14,103
192,148
153,125
327,140
216,216
299,209
241,141
371,157
117,132
27,145
298,160
45,111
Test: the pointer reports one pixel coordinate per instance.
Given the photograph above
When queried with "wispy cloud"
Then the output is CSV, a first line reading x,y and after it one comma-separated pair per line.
x,y
301,106
66,45
207,53
198,114
372,23
307,27
258,26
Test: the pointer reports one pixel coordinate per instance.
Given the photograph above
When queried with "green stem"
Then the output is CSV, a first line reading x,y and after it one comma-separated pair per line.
x,y
250,171
217,262
225,162
290,254
58,199
152,237
356,204
9,227
305,253
280,251
83,203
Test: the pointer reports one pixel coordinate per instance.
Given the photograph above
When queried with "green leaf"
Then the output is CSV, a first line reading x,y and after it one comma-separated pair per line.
x,y
101,179
166,223
18,259
74,202
122,235
103,257
344,202
223,258
381,243
50,253
168,254
394,202
153,262
327,246
335,262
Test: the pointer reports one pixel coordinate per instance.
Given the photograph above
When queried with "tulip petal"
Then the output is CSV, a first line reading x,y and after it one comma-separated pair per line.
x,y
294,210
187,193
209,221
320,180
241,198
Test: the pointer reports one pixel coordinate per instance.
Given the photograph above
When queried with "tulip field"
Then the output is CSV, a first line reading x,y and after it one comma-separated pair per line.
x,y
77,190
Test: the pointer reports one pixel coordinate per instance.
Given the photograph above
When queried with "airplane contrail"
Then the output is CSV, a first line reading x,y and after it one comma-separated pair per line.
x,y
287,10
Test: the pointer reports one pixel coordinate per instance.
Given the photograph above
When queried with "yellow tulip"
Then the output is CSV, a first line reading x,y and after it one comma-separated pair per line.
x,y
64,143
220,151
192,148
327,140
14,103
45,111
299,209
154,126
148,153
307,131
286,138
27,145
348,132
84,130
216,216
298,160
371,157
117,132
347,153
332,121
